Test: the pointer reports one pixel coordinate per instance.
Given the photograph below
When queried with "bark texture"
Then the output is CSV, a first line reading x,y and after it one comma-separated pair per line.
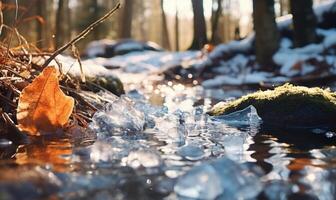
x,y
126,22
200,37
304,22
266,32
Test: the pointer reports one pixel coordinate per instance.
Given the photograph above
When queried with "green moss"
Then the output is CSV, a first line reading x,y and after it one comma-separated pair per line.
x,y
110,83
287,105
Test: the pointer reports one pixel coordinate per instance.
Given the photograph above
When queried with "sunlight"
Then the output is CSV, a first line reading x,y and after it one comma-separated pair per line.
x,y
185,9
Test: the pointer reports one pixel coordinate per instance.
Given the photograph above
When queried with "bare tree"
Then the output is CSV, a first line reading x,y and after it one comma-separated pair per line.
x,y
304,22
216,14
177,30
69,26
126,22
95,15
283,7
266,33
200,37
40,24
61,23
165,34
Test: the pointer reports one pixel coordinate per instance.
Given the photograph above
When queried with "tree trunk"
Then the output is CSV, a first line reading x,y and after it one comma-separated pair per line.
x,y
40,30
200,37
59,24
304,22
95,16
142,20
281,4
126,22
216,14
177,30
165,34
266,33
69,27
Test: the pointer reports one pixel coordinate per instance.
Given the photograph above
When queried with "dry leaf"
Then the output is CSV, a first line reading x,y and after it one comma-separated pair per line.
x,y
43,107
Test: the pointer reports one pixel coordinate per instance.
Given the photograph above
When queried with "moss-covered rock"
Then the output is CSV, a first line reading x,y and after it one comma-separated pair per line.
x,y
288,106
110,83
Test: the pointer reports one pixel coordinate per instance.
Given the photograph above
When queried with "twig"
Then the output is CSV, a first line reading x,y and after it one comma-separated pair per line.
x,y
80,36
7,100
77,96
76,55
14,72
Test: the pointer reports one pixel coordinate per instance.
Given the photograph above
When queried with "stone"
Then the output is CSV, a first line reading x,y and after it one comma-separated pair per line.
x,y
110,83
287,106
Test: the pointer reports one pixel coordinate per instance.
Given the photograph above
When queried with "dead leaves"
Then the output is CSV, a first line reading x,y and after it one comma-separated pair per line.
x,y
43,108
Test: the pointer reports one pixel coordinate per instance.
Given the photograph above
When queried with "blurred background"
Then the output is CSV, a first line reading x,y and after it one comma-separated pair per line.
x,y
48,24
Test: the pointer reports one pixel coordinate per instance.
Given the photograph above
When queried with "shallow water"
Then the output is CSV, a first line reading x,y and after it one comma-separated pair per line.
x,y
158,142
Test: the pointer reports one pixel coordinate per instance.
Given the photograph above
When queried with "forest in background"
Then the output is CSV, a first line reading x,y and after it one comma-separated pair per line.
x,y
48,24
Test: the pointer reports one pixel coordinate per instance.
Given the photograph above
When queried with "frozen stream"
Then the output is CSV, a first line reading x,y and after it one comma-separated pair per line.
x,y
163,145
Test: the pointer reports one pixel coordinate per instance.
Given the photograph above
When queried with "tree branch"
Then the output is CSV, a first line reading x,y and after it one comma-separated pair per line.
x,y
81,35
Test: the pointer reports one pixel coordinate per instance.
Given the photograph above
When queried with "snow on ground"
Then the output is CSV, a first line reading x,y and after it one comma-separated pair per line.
x,y
149,61
232,69
319,10
288,58
240,46
251,78
132,63
71,66
110,48
131,68
97,47
141,67
232,63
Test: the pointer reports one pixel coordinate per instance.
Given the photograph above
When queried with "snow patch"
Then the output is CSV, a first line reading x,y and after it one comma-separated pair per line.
x,y
252,78
149,61
98,47
90,67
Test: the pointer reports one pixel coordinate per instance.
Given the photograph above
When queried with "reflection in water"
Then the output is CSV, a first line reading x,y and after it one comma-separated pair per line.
x,y
55,152
291,159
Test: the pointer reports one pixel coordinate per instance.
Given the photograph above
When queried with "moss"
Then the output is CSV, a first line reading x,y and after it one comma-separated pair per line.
x,y
110,83
287,105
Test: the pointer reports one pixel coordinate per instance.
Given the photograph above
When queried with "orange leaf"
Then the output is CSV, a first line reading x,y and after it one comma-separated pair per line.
x,y
43,107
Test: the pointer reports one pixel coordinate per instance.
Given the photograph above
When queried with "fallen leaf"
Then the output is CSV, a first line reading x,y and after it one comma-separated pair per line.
x,y
43,108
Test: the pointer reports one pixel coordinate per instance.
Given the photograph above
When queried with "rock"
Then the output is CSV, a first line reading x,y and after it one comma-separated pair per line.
x,y
109,48
287,106
110,83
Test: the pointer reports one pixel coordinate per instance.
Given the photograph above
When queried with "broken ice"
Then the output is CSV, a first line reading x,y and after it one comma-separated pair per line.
x,y
143,158
170,129
118,118
112,149
191,152
247,116
201,182
222,177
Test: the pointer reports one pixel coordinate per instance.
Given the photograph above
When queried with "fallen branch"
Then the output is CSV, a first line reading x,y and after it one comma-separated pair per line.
x,y
80,36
